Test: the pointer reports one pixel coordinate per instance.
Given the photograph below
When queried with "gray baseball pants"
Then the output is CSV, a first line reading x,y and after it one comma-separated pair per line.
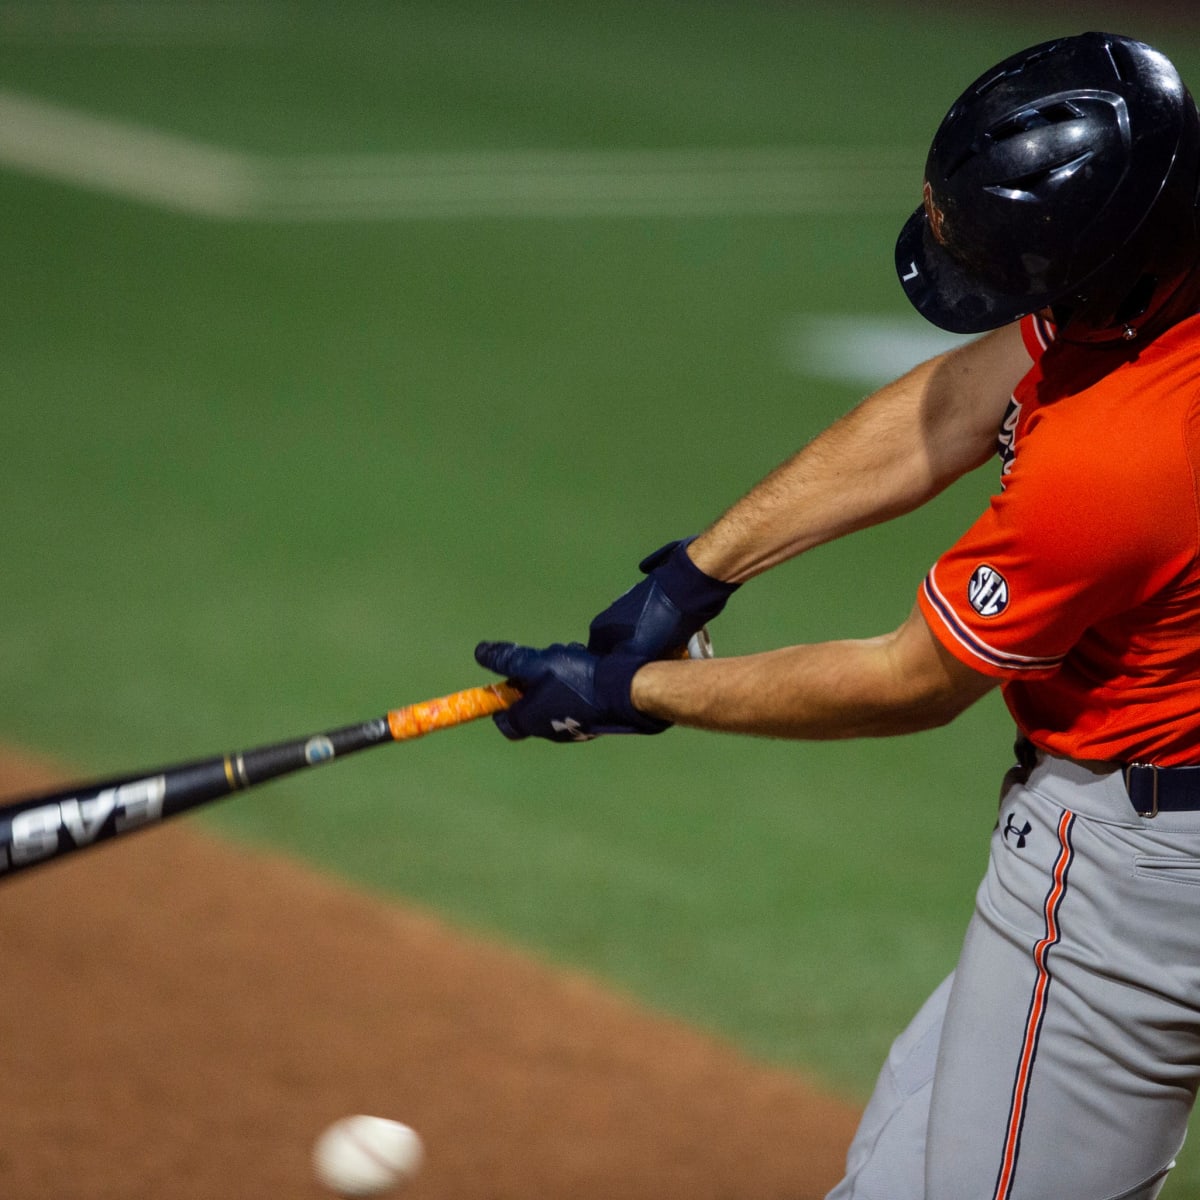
x,y
1061,1059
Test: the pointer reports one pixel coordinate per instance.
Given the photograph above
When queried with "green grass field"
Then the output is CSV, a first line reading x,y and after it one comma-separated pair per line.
x,y
286,434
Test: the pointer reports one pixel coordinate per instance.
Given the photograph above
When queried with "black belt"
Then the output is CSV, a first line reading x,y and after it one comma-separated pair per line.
x,y
1162,789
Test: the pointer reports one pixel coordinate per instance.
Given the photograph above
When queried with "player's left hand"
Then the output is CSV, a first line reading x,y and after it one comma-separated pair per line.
x,y
568,693
657,616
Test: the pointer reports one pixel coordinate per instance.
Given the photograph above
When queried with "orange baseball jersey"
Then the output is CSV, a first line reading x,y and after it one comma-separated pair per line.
x,y
1079,586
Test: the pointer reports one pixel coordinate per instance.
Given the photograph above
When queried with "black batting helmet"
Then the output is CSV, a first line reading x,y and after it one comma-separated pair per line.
x,y
1064,178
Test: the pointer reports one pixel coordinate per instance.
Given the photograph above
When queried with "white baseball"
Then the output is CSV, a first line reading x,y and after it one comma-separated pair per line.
x,y
366,1156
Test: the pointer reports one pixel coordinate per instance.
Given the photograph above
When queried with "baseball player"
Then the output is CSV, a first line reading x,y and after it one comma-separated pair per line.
x,y
1060,1061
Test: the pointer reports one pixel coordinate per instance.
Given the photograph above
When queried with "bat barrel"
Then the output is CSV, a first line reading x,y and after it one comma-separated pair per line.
x,y
39,828
45,827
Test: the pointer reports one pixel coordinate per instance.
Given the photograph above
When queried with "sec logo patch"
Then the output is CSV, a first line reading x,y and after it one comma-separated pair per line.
x,y
988,591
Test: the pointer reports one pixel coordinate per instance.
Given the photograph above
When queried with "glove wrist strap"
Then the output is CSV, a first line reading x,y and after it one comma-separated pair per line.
x,y
685,584
614,683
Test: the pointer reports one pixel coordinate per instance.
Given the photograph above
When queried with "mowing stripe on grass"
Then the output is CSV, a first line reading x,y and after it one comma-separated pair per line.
x,y
862,351
54,142
57,143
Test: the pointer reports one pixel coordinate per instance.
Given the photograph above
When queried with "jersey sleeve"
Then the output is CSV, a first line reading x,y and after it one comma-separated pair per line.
x,y
1080,533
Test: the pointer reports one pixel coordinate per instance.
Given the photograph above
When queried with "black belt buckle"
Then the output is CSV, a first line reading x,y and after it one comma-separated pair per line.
x,y
1132,786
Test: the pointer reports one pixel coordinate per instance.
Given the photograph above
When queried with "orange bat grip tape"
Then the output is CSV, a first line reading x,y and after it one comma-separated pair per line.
x,y
419,719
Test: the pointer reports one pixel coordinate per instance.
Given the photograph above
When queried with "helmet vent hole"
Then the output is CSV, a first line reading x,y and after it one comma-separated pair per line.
x,y
1027,187
1060,112
1055,113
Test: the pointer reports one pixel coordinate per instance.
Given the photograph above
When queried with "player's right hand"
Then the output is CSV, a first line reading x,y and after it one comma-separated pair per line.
x,y
568,694
657,616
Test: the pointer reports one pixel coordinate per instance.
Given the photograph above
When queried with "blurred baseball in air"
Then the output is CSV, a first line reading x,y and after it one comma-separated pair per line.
x,y
361,1156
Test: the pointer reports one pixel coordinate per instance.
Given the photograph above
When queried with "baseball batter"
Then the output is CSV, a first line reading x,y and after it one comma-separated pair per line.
x,y
1061,1059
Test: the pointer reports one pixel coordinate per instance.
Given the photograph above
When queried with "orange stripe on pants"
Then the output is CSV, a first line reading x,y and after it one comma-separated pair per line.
x,y
1037,1011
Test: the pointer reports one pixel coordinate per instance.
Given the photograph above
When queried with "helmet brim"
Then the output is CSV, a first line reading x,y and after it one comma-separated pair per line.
x,y
944,292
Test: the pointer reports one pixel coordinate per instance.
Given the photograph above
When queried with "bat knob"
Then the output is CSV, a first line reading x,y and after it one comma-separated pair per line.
x,y
700,644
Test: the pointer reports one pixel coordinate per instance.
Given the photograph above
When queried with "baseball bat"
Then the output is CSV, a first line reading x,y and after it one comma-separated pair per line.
x,y
38,829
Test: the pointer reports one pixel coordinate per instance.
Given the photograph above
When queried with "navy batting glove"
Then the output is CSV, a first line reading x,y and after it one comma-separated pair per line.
x,y
568,693
656,617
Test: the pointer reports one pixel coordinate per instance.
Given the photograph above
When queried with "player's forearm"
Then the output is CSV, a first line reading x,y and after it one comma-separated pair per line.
x,y
815,693
877,687
891,454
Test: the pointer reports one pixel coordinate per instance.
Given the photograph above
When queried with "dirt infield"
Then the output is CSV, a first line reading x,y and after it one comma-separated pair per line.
x,y
182,1016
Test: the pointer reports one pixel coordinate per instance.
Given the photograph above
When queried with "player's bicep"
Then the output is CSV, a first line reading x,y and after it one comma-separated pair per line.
x,y
968,394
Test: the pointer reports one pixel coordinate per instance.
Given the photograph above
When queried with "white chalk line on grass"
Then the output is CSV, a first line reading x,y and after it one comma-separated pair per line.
x,y
54,142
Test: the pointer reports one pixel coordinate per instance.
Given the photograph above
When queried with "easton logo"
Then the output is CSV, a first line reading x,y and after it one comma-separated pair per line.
x,y
988,591
37,833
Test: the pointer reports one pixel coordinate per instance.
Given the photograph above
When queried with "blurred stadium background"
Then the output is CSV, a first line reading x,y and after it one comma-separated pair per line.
x,y
338,337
